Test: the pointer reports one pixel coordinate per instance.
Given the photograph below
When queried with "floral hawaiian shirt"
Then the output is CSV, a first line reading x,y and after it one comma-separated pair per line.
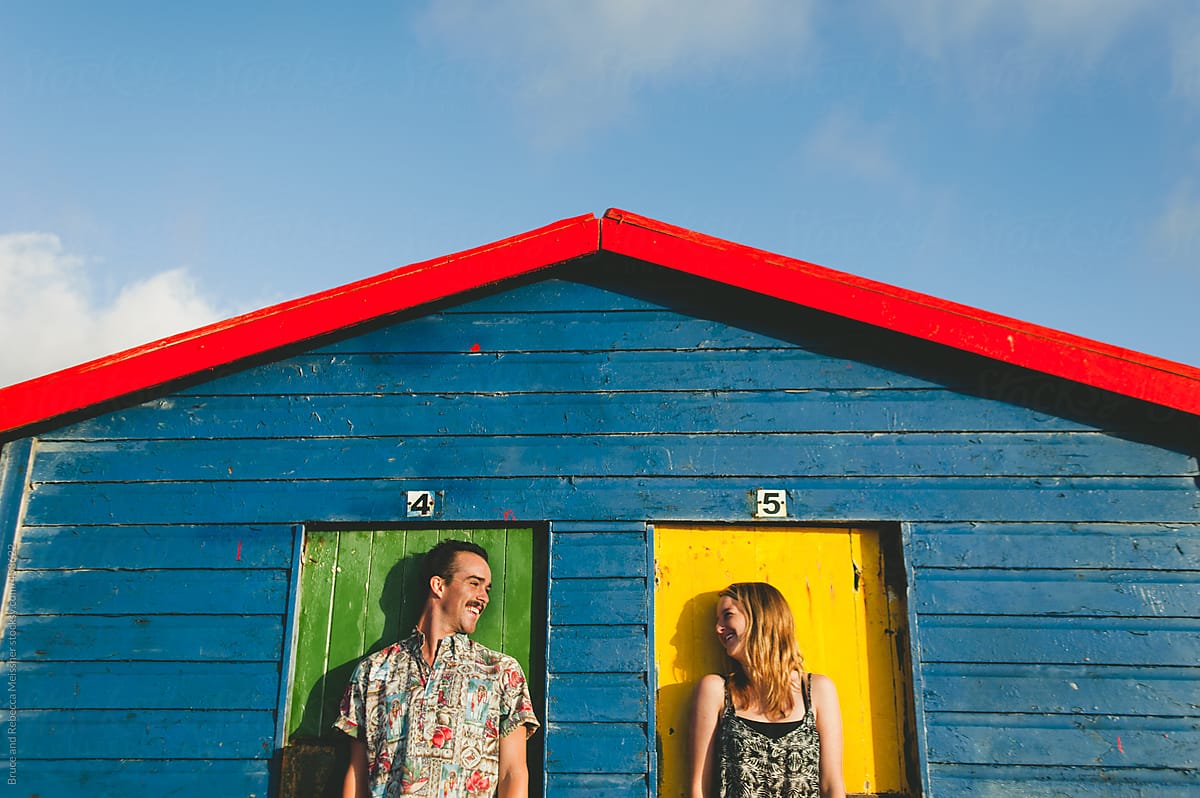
x,y
435,730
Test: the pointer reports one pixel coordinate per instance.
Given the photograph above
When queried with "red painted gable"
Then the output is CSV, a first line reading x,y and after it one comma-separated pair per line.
x,y
1007,340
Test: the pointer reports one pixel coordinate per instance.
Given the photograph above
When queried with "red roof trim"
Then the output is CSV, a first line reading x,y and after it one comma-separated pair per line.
x,y
261,331
1008,340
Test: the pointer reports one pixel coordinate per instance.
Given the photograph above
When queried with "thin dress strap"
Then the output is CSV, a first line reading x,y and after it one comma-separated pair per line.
x,y
753,762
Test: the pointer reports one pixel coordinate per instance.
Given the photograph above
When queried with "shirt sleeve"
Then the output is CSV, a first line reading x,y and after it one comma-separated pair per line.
x,y
516,707
352,711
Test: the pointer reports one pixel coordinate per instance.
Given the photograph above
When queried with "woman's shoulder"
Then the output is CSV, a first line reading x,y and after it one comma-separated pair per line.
x,y
710,686
820,681
822,689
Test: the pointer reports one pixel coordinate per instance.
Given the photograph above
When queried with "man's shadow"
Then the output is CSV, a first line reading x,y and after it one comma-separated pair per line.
x,y
693,653
317,755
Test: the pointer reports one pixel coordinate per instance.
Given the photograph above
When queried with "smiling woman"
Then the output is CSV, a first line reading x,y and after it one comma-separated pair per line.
x,y
849,625
768,728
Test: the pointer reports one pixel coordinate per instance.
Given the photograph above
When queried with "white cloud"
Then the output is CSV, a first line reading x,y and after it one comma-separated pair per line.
x,y
1085,28
1185,60
847,144
1176,233
578,64
1002,51
50,317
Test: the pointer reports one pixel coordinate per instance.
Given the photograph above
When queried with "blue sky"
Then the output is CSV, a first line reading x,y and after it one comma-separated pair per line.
x,y
163,165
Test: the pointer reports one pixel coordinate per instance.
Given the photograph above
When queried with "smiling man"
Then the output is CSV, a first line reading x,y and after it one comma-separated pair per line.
x,y
438,714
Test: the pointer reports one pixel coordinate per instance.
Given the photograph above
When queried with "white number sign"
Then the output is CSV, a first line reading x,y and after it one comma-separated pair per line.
x,y
771,504
420,504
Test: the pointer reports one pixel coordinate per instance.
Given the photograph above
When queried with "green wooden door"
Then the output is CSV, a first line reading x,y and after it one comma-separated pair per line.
x,y
360,591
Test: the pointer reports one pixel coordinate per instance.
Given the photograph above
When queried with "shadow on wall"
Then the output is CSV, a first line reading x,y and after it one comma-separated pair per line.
x,y
313,766
696,654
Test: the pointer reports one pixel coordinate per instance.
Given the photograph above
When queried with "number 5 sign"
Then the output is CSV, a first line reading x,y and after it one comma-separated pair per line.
x,y
771,504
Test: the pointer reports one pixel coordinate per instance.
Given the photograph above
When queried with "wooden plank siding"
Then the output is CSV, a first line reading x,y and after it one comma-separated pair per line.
x,y
1065,652
599,716
15,460
157,539
148,653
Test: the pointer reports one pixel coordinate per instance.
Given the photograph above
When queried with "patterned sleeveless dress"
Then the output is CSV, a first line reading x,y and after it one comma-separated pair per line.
x,y
755,762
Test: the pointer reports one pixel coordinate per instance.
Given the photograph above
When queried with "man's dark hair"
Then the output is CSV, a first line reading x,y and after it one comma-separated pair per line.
x,y
439,561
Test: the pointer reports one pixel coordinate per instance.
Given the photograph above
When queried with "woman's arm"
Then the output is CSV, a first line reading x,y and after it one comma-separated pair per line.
x,y
707,703
828,718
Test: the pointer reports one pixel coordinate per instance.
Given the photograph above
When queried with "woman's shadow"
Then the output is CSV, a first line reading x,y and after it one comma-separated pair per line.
x,y
693,652
316,756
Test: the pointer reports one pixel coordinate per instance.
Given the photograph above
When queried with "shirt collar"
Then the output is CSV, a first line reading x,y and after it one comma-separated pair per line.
x,y
453,644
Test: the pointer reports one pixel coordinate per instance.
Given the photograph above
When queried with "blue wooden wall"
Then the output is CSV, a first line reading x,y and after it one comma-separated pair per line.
x,y
600,730
1062,656
1052,564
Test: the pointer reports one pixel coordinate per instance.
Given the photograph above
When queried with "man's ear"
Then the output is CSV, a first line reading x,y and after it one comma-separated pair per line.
x,y
437,586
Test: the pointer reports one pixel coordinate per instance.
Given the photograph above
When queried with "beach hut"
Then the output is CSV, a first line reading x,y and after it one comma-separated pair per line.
x,y
989,530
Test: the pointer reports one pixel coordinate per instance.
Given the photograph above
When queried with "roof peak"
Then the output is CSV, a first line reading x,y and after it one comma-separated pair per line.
x,y
1122,371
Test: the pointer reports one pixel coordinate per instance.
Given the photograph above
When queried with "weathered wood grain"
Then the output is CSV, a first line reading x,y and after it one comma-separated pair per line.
x,y
415,414
149,733
606,748
178,778
596,785
606,600
556,372
597,698
1061,689
1083,593
831,499
598,649
1174,547
1040,640
1064,740
1002,780
518,456
199,638
124,685
599,554
148,547
14,467
218,592
570,292
554,331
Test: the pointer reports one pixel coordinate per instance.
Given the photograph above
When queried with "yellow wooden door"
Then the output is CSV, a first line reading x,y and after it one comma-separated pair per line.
x,y
848,620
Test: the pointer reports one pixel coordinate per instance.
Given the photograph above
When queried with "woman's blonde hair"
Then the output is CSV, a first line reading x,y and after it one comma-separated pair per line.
x,y
772,655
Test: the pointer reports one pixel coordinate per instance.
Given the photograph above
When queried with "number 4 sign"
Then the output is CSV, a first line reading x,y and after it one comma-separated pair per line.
x,y
420,504
771,504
